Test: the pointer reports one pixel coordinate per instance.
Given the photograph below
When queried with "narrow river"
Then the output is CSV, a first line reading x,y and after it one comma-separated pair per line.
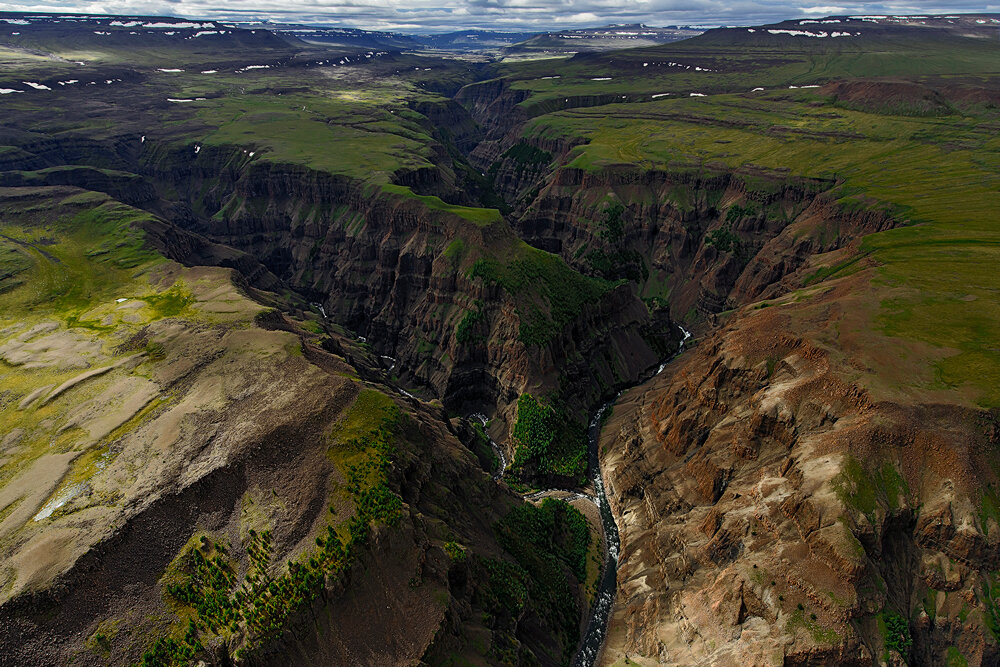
x,y
597,626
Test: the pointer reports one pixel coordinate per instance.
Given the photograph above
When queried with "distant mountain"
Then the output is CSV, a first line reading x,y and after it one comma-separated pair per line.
x,y
607,38
41,31
354,37
473,40
861,27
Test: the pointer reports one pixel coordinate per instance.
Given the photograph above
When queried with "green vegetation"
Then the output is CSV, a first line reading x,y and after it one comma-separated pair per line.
x,y
204,581
728,68
822,635
524,156
895,631
940,176
549,442
864,490
990,598
955,658
612,228
736,212
481,216
989,507
468,330
725,240
455,551
549,544
548,294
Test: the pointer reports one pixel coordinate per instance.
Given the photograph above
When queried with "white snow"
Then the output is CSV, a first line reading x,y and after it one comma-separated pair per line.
x,y
661,95
16,21
36,86
197,149
179,26
203,33
755,90
551,77
601,78
169,70
172,99
210,71
8,91
697,95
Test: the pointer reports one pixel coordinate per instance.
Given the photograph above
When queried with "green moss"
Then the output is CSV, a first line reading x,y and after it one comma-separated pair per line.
x,y
366,415
481,216
954,658
818,633
455,252
863,490
169,303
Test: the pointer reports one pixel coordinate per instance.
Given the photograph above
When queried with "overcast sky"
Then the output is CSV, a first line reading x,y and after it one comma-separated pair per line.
x,y
438,15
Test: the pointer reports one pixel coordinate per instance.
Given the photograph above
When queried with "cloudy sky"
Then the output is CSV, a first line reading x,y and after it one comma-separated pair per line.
x,y
438,15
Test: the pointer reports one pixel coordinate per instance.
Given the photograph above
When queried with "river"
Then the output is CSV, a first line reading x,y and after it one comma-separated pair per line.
x,y
597,626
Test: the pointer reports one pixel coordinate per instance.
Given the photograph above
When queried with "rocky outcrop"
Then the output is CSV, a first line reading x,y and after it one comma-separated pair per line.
x,y
774,511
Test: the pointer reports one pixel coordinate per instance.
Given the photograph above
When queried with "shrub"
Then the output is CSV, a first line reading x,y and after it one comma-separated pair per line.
x,y
897,633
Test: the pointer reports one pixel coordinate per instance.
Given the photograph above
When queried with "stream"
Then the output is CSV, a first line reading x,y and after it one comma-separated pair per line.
x,y
597,626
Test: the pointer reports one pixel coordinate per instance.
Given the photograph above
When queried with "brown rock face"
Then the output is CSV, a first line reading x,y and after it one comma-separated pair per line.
x,y
771,507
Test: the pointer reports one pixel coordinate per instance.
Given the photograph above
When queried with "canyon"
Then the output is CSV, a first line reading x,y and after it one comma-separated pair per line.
x,y
251,330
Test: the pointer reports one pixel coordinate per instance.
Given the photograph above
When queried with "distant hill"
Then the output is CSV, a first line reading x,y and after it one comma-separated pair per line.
x,y
85,32
607,38
853,28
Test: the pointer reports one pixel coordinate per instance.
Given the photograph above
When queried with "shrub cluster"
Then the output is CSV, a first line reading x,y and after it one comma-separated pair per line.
x,y
257,610
549,442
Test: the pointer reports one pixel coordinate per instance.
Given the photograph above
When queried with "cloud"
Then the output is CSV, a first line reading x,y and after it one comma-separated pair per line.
x,y
441,15
825,11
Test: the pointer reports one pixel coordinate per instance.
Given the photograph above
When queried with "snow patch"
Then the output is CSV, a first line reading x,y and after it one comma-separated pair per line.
x,y
179,26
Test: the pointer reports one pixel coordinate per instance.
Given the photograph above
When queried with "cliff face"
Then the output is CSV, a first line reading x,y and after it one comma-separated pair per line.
x,y
397,272
698,242
775,510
